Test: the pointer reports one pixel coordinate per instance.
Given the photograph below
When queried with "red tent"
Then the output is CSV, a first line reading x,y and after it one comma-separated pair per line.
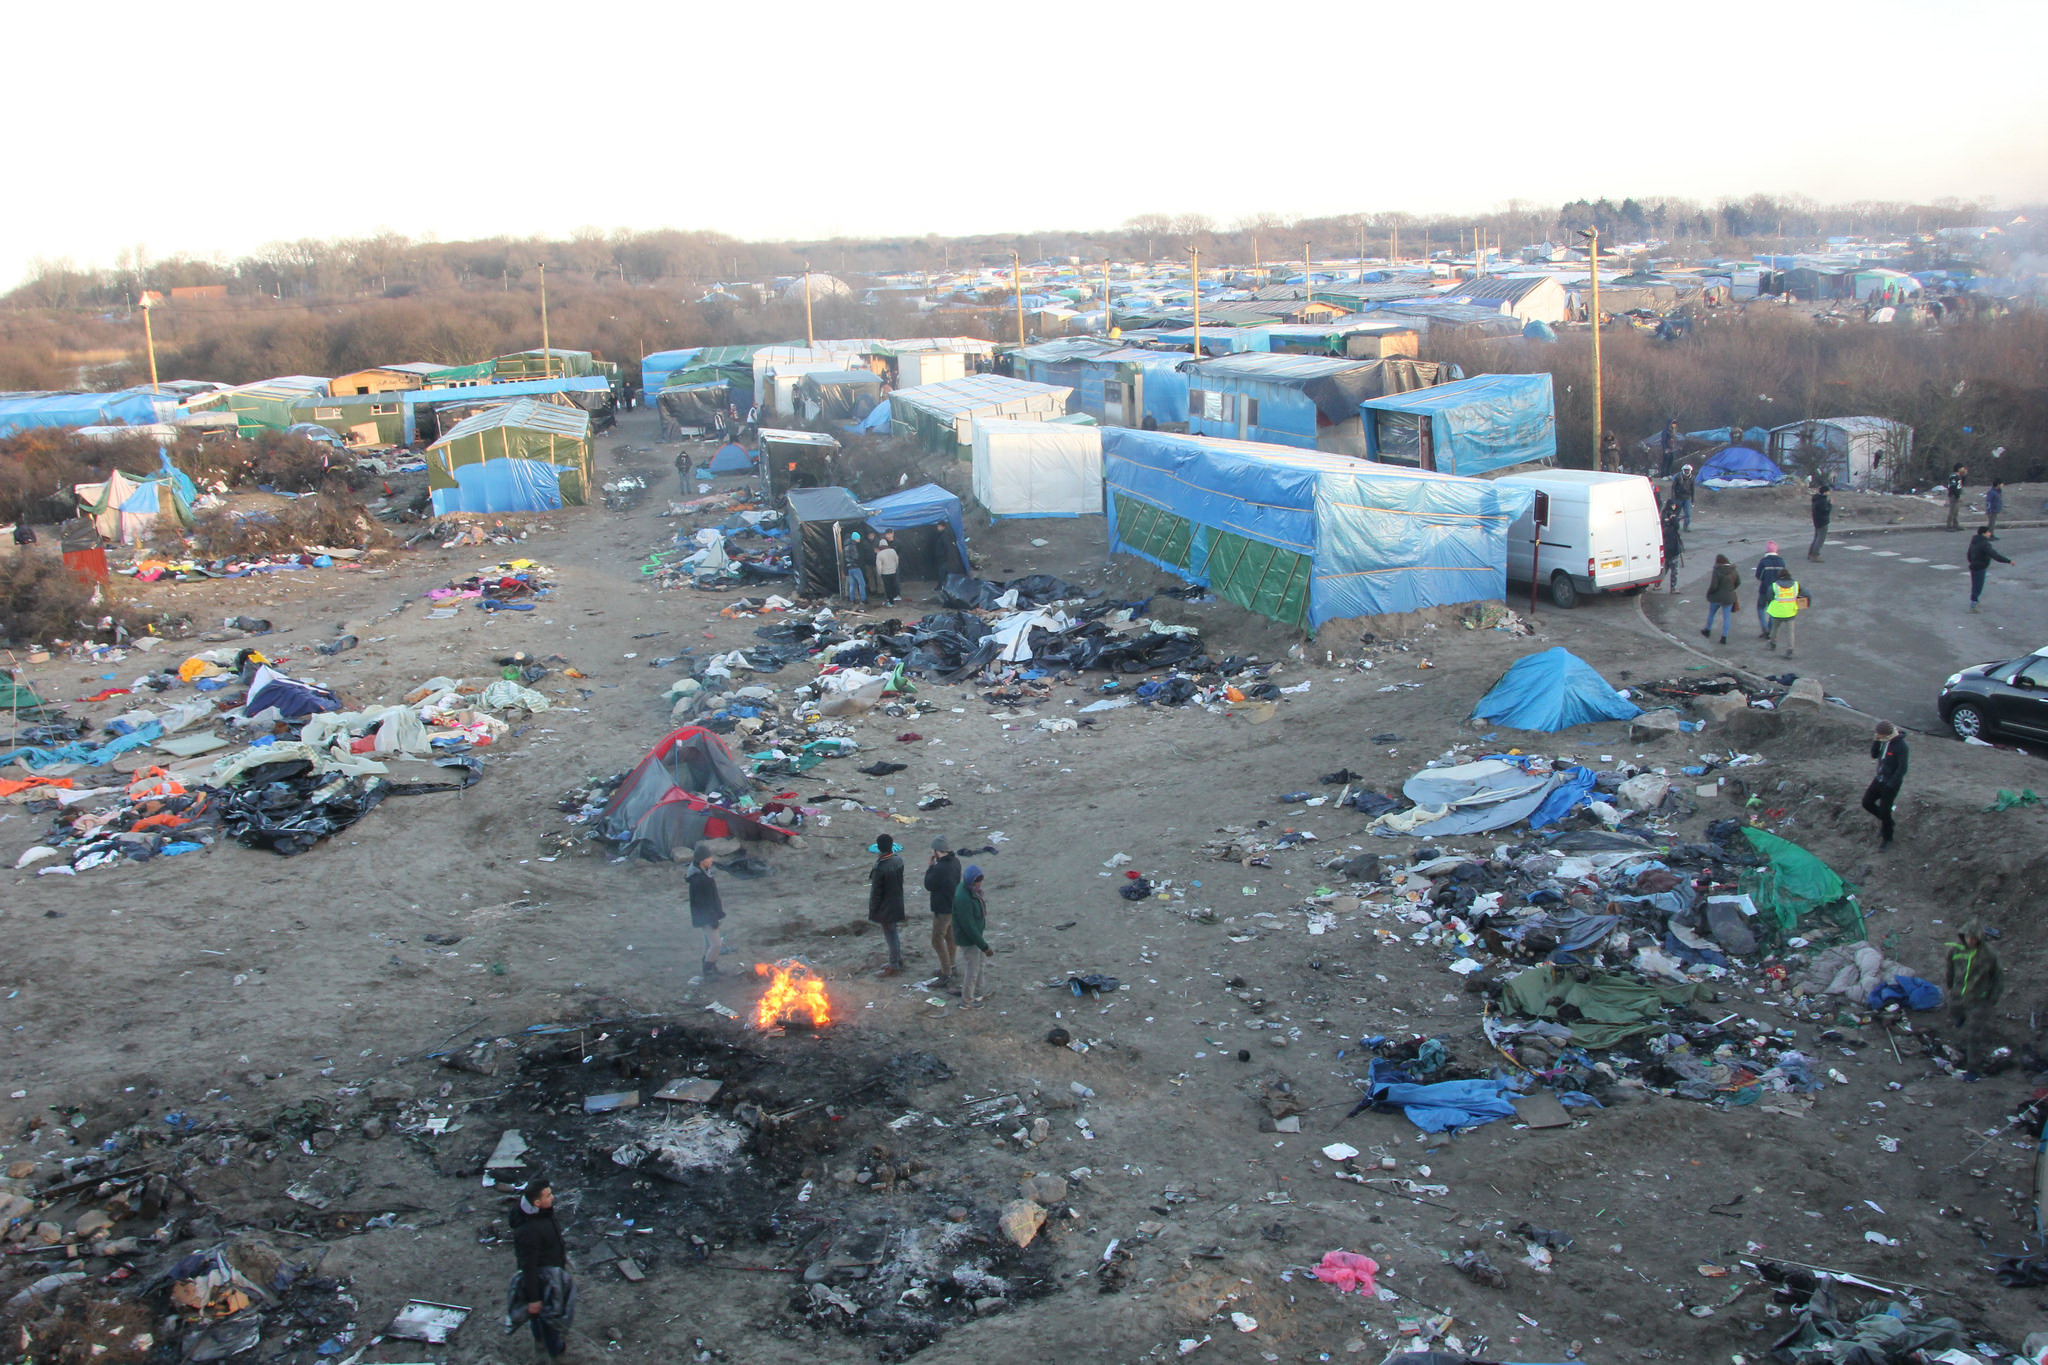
x,y
686,789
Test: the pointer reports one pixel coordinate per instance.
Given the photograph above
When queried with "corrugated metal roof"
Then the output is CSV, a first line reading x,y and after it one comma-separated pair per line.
x,y
1507,288
954,397
1280,366
528,413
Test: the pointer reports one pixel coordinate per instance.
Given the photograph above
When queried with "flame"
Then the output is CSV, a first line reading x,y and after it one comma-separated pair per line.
x,y
793,989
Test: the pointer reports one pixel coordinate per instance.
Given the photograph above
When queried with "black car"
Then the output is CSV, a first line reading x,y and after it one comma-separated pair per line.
x,y
2008,698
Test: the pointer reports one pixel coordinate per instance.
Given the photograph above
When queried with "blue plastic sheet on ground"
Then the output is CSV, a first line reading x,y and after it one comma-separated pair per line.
x,y
1443,1106
87,754
1575,790
1910,991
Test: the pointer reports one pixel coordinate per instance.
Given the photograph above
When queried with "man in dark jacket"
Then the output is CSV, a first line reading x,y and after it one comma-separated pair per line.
x,y
1769,570
941,880
1888,747
1668,445
543,1294
1674,547
1954,486
1823,513
1974,984
970,927
1979,557
1994,503
885,899
707,911
1683,486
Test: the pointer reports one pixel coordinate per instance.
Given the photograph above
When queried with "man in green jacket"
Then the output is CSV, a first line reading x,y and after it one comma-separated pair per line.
x,y
970,928
1974,985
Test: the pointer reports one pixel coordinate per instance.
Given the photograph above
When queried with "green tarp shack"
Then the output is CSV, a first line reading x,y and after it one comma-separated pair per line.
x,y
522,456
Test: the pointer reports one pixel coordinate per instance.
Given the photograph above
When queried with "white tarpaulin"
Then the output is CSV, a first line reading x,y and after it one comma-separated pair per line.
x,y
1037,469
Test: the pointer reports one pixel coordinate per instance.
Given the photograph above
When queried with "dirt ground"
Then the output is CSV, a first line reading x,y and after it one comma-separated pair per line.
x,y
287,1001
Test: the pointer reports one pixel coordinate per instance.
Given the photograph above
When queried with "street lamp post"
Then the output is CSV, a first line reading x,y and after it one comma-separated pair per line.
x,y
1592,237
149,340
547,354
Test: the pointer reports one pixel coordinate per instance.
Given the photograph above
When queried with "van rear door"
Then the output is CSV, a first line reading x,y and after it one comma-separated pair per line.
x,y
1628,540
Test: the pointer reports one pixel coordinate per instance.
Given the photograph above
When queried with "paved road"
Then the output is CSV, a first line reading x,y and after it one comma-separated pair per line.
x,y
1891,615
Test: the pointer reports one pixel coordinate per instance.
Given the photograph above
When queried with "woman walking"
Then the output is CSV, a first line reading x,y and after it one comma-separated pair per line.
x,y
1721,594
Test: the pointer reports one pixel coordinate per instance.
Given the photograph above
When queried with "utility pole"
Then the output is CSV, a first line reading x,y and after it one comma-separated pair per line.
x,y
810,335
1593,237
1394,248
1255,258
1307,276
1017,290
1108,322
547,354
149,339
1195,281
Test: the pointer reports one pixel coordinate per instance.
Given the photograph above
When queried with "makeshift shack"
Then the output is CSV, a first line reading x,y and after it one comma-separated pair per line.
x,y
1302,537
940,417
429,414
1552,691
1739,467
1037,469
1297,400
522,456
688,788
362,419
837,395
820,522
1850,452
798,459
267,406
931,534
1468,426
125,508
125,407
692,407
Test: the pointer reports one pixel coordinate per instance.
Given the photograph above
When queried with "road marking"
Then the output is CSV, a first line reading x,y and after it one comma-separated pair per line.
x,y
1910,560
1884,554
1943,568
1851,544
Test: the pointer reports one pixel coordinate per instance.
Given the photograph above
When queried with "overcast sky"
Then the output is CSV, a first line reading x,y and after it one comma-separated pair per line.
x,y
223,126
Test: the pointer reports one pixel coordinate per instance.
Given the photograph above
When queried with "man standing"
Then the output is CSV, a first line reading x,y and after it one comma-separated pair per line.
x,y
1669,443
856,576
942,882
1769,570
1994,503
24,536
1682,489
543,1294
1955,497
1979,557
1823,513
970,930
1974,985
707,911
885,899
885,567
1674,547
1888,747
1610,453
1784,612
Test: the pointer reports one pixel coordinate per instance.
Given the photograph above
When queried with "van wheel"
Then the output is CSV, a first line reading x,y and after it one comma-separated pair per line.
x,y
1564,594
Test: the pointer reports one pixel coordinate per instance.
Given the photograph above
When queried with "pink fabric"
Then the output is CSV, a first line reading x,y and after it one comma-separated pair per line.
x,y
1347,1271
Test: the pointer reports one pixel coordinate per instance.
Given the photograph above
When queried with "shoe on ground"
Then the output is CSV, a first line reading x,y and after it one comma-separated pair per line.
x,y
1724,639
1789,654
1973,606
1770,644
890,971
1703,634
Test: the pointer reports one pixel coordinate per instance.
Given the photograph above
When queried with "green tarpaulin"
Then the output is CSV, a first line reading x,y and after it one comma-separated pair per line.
x,y
1794,886
1610,1007
15,697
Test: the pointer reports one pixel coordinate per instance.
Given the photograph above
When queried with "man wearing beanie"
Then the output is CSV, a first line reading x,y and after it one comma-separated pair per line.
x,y
941,881
885,899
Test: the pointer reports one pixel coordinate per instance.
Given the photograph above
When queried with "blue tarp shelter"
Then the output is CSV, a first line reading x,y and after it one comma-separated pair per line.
x,y
1552,691
1739,464
125,407
1302,537
1468,426
925,505
656,368
583,391
877,421
732,458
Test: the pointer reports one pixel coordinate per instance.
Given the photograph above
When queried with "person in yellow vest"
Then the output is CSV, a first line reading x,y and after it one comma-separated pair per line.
x,y
1783,611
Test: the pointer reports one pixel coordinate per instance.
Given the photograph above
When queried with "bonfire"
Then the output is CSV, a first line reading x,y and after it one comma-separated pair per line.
x,y
793,990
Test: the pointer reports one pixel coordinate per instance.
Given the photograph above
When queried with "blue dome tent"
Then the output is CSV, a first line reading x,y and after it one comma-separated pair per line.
x,y
1552,691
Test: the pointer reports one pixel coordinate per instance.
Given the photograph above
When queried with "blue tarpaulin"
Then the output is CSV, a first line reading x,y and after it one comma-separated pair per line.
x,y
876,421
925,505
1740,464
92,756
1476,425
656,368
1305,537
1443,1106
732,458
501,486
1574,789
123,407
1554,690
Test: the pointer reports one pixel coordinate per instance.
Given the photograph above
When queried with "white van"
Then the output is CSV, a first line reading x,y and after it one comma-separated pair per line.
x,y
1601,534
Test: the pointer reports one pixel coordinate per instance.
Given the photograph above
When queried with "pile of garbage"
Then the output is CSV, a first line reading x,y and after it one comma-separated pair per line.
x,y
510,586
750,548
